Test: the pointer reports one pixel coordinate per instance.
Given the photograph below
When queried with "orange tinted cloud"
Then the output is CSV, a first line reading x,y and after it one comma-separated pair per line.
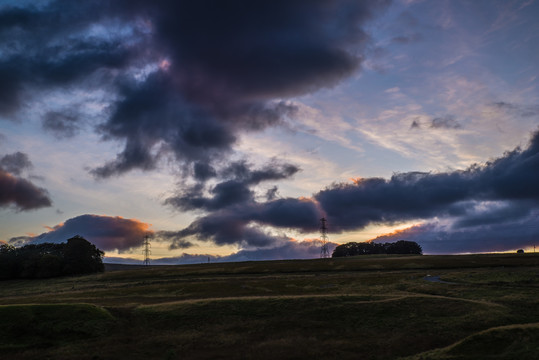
x,y
106,232
164,65
406,232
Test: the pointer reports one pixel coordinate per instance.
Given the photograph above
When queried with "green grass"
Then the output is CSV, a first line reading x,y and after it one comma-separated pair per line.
x,y
42,326
322,326
375,307
518,342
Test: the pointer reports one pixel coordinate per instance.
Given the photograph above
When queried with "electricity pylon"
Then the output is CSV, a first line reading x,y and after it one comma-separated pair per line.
x,y
146,252
324,251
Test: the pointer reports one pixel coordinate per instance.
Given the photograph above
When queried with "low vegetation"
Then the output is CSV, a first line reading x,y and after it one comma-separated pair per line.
x,y
364,307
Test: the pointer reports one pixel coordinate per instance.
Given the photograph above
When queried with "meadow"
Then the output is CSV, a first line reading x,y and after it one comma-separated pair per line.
x,y
369,307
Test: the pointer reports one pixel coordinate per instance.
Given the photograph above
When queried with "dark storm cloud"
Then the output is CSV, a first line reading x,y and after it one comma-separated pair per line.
x,y
184,77
494,213
236,188
61,124
105,232
225,194
510,178
203,172
288,213
271,194
15,191
235,224
437,238
501,191
404,196
21,193
46,47
15,163
260,49
226,227
274,170
153,117
172,237
228,61
233,209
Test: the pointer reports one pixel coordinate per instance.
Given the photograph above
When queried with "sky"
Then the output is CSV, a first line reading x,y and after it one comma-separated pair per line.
x,y
225,131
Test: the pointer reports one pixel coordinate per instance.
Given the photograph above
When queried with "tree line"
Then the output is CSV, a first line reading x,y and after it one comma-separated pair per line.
x,y
75,257
369,248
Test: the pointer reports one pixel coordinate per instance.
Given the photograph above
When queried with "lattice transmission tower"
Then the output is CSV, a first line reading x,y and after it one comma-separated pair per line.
x,y
146,252
324,251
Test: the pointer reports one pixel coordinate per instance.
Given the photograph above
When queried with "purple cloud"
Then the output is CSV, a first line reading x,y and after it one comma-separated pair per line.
x,y
184,78
511,178
105,232
440,238
15,191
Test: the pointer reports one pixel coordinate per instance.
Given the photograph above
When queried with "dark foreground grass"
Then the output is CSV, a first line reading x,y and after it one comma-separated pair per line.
x,y
516,342
42,326
353,308
319,327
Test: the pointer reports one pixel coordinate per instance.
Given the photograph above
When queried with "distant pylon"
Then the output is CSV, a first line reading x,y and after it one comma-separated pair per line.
x,y
324,251
146,252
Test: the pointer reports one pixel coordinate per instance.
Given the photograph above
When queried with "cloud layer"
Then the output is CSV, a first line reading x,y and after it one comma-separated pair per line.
x,y
181,78
510,179
491,206
437,237
106,232
18,192
501,192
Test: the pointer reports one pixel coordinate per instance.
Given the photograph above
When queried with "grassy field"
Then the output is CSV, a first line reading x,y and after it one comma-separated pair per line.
x,y
373,307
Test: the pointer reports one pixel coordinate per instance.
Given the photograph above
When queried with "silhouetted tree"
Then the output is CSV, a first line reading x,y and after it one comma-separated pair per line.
x,y
404,247
8,261
82,257
370,248
77,256
348,249
49,265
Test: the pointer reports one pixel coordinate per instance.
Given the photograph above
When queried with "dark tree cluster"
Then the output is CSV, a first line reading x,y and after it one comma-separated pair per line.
x,y
369,248
75,257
